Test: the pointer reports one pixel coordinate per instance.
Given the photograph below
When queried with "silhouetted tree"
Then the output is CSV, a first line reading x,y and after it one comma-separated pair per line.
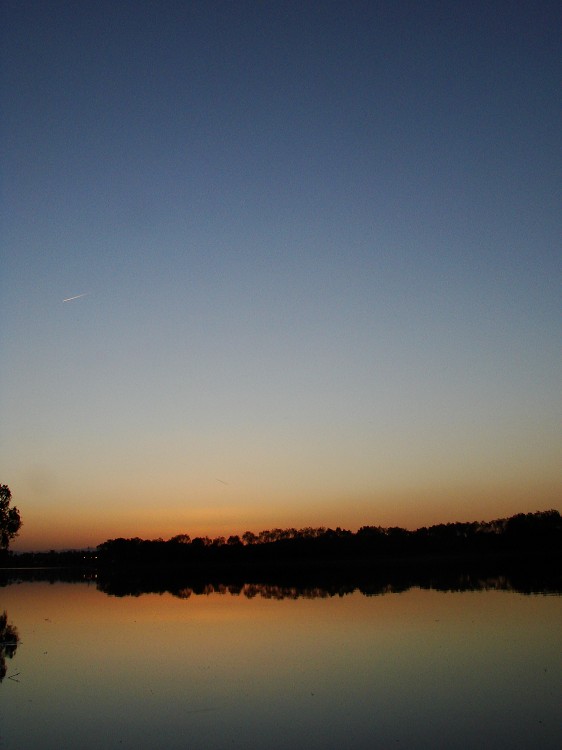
x,y
181,539
10,521
249,537
200,542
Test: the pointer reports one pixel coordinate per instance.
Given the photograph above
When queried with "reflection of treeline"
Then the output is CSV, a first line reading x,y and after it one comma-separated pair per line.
x,y
55,574
272,581
337,582
524,534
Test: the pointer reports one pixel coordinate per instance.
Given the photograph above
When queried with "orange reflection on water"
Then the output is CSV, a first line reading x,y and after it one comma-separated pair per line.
x,y
406,667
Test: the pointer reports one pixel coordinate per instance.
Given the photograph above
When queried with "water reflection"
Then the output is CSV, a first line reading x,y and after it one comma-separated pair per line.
x,y
325,584
9,640
226,664
310,583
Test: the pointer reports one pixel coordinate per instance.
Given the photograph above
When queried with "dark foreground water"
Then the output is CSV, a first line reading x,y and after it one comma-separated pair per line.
x,y
267,668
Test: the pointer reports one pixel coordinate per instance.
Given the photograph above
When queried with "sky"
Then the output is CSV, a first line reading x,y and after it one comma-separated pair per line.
x,y
318,245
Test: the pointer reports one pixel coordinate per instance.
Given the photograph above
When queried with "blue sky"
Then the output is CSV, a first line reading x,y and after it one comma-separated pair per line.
x,y
321,249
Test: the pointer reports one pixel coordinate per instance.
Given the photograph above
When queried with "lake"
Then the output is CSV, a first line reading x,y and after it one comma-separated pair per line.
x,y
273,667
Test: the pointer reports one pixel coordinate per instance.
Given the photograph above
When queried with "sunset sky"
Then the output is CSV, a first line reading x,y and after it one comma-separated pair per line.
x,y
319,245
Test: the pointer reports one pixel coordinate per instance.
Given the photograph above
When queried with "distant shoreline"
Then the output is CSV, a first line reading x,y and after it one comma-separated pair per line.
x,y
532,541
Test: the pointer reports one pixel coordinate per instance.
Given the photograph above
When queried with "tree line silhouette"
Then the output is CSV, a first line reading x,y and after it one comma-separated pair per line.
x,y
536,537
522,534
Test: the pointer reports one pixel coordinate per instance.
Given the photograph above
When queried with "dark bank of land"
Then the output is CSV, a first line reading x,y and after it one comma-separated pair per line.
x,y
525,548
500,573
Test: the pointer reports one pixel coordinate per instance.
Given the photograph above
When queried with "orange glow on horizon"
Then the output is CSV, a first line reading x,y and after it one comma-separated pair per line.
x,y
64,528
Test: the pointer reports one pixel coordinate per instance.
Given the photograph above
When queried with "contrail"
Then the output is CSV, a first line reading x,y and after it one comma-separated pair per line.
x,y
69,299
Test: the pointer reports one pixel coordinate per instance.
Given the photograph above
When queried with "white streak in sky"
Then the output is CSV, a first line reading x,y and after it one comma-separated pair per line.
x,y
69,299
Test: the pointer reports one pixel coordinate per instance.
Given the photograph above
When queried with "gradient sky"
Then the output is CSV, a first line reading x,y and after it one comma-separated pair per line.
x,y
320,248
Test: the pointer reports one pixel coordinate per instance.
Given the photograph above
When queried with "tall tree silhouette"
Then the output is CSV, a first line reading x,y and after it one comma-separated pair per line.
x,y
10,521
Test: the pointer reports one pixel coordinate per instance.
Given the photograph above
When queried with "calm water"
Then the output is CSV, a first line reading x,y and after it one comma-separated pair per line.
x,y
418,669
